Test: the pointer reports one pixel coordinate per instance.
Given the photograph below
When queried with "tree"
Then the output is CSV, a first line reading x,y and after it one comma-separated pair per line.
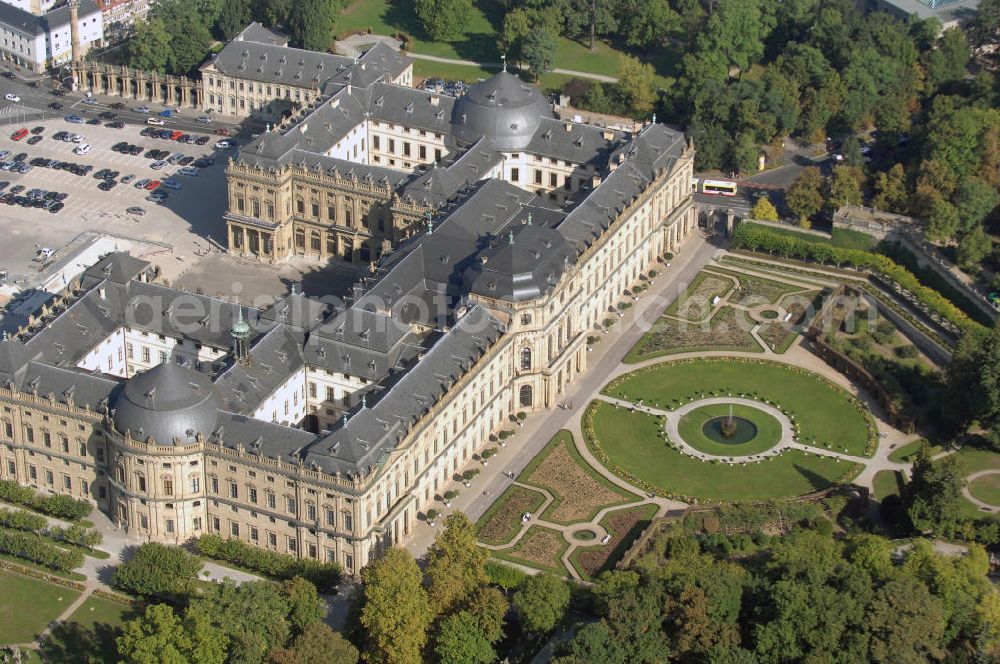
x,y
155,569
443,20
635,80
233,17
539,51
160,637
744,155
461,641
906,622
542,602
764,210
844,186
975,199
973,247
934,494
804,197
189,28
318,644
395,611
942,219
890,190
589,18
150,47
488,607
311,23
984,27
735,30
974,382
304,605
949,60
455,565
646,23
254,615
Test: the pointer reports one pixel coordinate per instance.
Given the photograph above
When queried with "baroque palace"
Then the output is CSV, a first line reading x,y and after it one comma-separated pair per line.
x,y
498,237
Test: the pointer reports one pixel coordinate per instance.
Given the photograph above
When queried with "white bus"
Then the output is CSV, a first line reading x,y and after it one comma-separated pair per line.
x,y
717,187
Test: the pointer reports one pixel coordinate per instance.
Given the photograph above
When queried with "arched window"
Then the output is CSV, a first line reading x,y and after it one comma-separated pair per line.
x,y
525,358
526,395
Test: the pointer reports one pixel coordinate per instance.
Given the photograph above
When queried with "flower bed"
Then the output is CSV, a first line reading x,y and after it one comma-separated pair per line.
x,y
624,526
502,521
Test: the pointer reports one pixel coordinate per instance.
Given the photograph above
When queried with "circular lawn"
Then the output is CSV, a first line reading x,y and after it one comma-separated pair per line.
x,y
704,429
826,415
986,488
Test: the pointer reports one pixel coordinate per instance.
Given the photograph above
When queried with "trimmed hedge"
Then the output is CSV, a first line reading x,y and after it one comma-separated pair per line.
x,y
59,506
21,520
325,576
37,549
759,238
507,577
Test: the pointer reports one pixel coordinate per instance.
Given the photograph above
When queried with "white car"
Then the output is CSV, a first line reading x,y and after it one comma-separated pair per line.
x,y
158,164
77,138
204,119
224,144
171,184
12,97
155,121
82,149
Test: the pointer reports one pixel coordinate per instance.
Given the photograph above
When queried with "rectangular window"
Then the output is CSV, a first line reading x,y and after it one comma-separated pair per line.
x,y
168,487
312,550
170,526
195,484
392,145
328,513
310,511
515,175
289,504
142,483
234,492
349,562
252,493
538,176
216,526
145,353
376,143
406,148
348,522
312,390
214,484
143,522
32,472
293,545
253,534
129,351
553,180
437,154
67,482
269,498
234,529
272,540
197,523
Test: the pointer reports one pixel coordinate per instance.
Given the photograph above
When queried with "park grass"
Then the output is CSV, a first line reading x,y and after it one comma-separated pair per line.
x,y
540,547
887,483
449,72
839,237
620,541
908,452
631,444
89,634
986,489
29,605
973,457
23,562
564,439
691,430
507,518
479,40
824,413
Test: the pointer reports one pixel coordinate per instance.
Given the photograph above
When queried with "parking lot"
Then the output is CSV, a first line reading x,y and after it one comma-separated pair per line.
x,y
184,220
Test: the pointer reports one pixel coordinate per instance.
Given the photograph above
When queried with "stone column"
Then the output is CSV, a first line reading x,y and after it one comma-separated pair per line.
x,y
74,30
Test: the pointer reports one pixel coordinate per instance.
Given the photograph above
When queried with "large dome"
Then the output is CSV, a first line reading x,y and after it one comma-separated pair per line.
x,y
503,108
167,403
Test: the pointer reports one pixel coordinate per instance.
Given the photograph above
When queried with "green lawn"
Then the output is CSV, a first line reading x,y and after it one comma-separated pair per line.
x,y
89,634
887,483
840,237
449,72
29,605
629,441
691,429
908,452
986,489
479,42
824,412
971,458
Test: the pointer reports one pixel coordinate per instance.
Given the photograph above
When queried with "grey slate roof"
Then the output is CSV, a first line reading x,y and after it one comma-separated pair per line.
x,y
59,16
273,358
277,65
20,20
118,268
255,32
504,109
66,383
168,403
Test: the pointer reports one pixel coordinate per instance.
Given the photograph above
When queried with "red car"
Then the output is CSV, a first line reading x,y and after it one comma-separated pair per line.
x,y
222,132
175,134
19,134
152,185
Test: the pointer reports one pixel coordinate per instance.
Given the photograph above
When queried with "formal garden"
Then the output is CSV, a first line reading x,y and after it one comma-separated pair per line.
x,y
564,496
728,310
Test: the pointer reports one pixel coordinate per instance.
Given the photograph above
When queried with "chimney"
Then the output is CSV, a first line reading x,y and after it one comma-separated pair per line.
x,y
435,100
569,126
596,181
608,135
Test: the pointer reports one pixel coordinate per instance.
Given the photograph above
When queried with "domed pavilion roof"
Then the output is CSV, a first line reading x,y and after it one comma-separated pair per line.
x,y
167,403
503,108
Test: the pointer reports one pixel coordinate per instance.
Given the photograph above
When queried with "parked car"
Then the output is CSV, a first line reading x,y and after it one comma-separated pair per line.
x,y
118,106
189,171
56,106
202,140
37,131
141,184
142,109
82,149
224,144
152,184
19,134
34,140
158,164
135,210
171,184
75,119
126,179
108,115
94,121
107,185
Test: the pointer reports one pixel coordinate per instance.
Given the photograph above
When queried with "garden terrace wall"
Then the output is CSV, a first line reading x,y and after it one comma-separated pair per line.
x,y
852,369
